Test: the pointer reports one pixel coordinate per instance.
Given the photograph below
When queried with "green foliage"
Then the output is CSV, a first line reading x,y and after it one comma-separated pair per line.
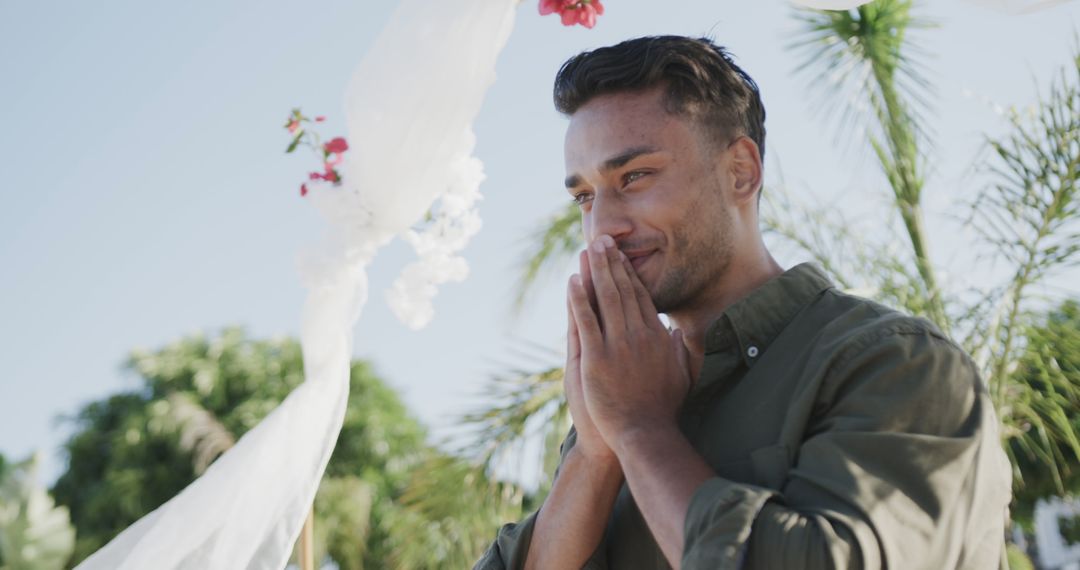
x,y
1030,216
448,515
133,451
863,53
34,533
1051,367
1018,560
454,503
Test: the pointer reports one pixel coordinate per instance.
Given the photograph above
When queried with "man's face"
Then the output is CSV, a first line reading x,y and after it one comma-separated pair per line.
x,y
654,183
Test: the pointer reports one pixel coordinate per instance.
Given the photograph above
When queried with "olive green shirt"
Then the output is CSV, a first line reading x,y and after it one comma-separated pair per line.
x,y
843,435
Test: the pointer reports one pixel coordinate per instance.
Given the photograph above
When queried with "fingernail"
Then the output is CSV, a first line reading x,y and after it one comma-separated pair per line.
x,y
598,245
608,240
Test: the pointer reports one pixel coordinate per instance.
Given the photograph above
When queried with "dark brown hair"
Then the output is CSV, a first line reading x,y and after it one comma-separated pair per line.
x,y
701,79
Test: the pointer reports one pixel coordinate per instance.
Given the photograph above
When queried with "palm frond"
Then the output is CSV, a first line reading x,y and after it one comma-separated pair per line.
x,y
555,241
1030,213
1043,398
200,432
866,56
343,508
874,269
522,399
869,59
449,513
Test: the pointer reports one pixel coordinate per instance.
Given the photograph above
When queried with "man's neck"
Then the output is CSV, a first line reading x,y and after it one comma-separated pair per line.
x,y
742,277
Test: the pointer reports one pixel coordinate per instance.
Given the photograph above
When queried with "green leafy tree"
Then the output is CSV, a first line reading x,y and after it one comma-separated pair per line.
x,y
133,451
35,534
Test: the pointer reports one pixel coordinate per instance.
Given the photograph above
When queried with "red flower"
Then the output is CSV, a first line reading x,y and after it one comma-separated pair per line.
x,y
329,174
293,125
550,6
337,145
303,190
582,12
320,119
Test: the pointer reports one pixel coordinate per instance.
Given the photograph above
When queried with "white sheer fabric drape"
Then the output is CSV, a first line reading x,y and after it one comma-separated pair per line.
x,y
410,106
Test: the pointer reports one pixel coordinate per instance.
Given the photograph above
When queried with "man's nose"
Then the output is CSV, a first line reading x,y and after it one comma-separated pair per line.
x,y
609,216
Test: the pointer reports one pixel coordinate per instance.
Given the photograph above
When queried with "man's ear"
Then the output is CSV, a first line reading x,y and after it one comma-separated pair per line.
x,y
744,166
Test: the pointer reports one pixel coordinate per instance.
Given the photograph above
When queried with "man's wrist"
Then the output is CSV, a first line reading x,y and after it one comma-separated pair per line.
x,y
599,467
646,437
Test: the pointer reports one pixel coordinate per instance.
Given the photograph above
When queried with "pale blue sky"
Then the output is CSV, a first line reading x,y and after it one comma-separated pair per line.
x,y
146,195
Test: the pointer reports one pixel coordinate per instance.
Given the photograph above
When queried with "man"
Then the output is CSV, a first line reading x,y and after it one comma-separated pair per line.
x,y
783,424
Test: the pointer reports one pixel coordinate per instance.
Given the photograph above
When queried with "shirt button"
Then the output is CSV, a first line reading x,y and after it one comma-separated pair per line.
x,y
752,352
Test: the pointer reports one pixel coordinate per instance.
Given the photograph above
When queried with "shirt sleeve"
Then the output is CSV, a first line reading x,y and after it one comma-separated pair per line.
x,y
894,471
511,545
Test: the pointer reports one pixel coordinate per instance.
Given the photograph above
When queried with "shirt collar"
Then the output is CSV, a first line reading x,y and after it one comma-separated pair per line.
x,y
751,324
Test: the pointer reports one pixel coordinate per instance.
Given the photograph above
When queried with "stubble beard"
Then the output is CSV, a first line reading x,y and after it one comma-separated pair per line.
x,y
701,256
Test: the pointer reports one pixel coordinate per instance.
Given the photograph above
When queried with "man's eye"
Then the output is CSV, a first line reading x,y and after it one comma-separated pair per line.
x,y
580,199
632,176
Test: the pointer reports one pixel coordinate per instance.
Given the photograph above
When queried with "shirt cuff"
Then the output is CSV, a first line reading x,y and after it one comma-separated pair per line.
x,y
510,548
718,523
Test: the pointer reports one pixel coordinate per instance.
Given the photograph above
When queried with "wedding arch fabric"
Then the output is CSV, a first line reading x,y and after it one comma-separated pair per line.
x,y
410,107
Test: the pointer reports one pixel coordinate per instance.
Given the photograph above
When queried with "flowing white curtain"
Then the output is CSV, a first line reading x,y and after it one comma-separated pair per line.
x,y
409,106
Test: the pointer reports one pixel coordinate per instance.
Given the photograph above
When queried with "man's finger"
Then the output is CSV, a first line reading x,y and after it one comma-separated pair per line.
x,y
573,340
586,279
585,320
644,301
631,311
607,294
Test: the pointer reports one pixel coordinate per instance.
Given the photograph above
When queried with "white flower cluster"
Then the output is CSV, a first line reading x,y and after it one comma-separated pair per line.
x,y
454,221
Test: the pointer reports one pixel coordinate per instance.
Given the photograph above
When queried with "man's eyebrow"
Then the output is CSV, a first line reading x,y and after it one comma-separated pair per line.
x,y
615,162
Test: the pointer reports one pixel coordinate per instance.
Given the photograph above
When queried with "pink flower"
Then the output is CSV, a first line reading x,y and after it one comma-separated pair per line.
x,y
293,125
550,6
320,119
572,12
303,190
329,174
337,145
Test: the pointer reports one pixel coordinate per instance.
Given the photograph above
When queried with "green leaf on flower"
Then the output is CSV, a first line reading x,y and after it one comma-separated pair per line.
x,y
295,142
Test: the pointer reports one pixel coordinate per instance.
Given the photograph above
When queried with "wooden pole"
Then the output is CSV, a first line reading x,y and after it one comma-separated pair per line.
x,y
307,542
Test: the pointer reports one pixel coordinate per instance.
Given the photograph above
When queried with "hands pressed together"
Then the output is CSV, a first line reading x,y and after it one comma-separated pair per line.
x,y
625,371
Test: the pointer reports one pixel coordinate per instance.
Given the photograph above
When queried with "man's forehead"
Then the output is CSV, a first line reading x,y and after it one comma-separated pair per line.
x,y
609,123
